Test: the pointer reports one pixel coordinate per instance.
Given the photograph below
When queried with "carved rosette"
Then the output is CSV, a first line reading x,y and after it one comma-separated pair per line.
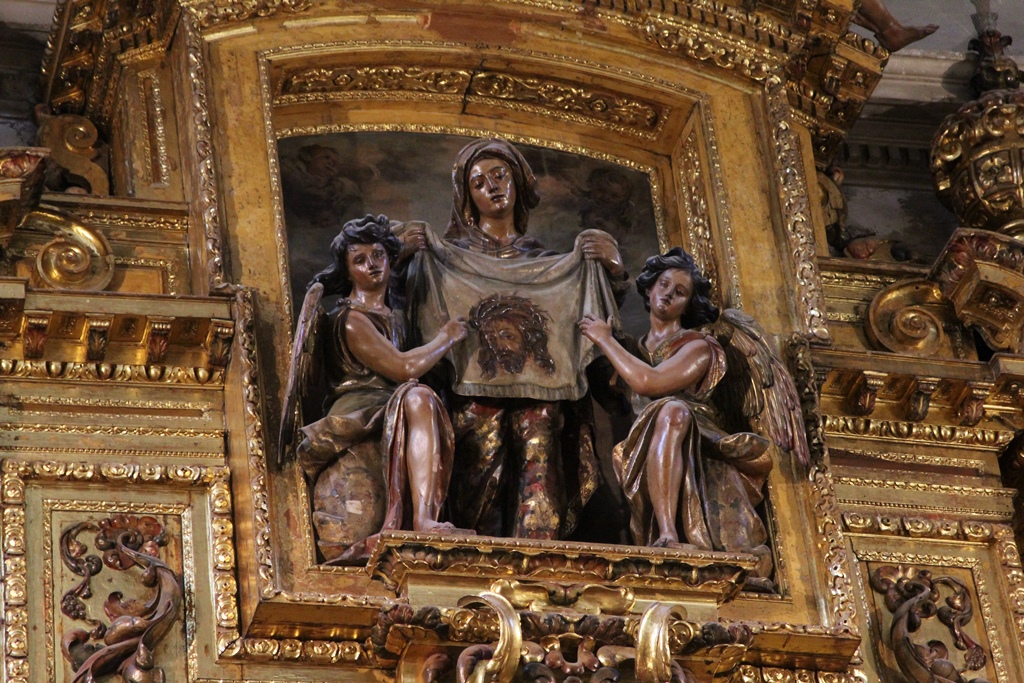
x,y
977,162
982,274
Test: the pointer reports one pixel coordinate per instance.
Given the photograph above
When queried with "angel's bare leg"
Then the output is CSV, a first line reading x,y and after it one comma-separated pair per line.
x,y
876,17
665,468
423,459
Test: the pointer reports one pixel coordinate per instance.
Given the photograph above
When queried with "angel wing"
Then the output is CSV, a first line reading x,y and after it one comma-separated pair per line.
x,y
758,386
304,370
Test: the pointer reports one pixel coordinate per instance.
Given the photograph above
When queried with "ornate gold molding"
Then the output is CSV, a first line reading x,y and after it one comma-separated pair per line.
x,y
825,505
922,527
693,187
564,99
204,176
723,51
946,435
793,196
398,555
110,372
212,13
979,466
16,476
119,218
753,674
733,294
899,485
255,444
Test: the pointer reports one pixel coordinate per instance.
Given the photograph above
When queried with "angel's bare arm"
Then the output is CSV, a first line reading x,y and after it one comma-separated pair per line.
x,y
684,369
376,352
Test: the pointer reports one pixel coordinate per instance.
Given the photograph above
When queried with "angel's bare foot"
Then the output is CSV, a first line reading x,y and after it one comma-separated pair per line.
x,y
897,36
665,541
673,543
444,528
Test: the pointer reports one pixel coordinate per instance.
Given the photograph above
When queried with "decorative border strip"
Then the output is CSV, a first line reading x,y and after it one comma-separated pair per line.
x,y
112,372
973,491
202,130
794,198
948,436
825,506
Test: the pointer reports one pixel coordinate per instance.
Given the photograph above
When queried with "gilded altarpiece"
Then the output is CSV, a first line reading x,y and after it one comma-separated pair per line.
x,y
143,388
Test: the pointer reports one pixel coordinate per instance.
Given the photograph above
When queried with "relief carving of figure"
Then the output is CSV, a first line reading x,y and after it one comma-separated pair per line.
x,y
526,466
690,476
380,458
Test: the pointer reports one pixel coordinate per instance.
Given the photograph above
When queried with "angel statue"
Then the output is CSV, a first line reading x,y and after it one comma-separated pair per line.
x,y
377,414
689,479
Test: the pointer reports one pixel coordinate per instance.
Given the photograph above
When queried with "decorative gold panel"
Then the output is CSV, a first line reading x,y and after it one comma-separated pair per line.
x,y
982,558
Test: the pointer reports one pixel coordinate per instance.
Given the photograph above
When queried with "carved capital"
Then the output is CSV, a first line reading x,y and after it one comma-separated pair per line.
x,y
21,183
982,275
97,336
971,406
865,391
919,400
158,339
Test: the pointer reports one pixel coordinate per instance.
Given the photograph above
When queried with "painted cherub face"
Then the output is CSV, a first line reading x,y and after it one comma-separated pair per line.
x,y
368,266
670,294
492,188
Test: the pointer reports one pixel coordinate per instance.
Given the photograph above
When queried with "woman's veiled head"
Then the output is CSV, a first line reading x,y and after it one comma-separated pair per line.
x,y
464,211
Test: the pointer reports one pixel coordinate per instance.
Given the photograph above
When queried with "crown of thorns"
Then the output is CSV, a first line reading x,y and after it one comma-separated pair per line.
x,y
508,306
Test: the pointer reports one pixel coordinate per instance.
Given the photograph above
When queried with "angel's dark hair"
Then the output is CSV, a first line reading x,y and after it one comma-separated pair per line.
x,y
700,311
366,230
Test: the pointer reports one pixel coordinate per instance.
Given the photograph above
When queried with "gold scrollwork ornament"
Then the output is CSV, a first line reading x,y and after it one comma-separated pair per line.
x,y
909,317
501,665
77,258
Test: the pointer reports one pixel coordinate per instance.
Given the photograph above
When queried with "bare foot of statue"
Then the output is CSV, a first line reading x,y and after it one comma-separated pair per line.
x,y
673,543
446,528
897,36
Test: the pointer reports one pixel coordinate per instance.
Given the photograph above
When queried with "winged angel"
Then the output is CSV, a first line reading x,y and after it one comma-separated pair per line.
x,y
690,478
377,416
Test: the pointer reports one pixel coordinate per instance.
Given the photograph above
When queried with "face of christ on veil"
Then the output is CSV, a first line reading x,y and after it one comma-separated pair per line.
x,y
512,331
